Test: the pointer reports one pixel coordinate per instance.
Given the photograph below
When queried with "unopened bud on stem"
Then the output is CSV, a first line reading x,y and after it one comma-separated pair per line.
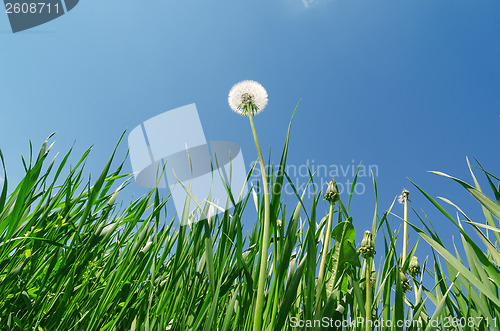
x,y
332,192
414,267
367,248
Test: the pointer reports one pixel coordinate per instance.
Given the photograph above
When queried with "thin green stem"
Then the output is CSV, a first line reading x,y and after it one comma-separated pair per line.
x,y
264,247
368,301
326,244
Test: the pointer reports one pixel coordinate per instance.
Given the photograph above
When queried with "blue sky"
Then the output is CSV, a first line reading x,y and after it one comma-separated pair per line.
x,y
406,86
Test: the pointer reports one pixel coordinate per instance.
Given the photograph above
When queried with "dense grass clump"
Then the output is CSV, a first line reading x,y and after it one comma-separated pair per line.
x,y
71,258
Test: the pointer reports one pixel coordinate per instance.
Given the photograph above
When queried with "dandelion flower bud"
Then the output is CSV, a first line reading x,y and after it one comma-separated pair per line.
x,y
332,192
414,267
367,248
404,281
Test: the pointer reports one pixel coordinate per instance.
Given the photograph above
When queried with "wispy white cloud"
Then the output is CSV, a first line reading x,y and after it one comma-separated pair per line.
x,y
308,3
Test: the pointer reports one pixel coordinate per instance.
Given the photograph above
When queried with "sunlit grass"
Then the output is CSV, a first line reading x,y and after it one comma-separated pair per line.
x,y
73,259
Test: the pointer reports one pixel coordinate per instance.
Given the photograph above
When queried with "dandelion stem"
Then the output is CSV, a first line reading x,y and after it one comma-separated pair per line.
x,y
264,247
405,231
326,244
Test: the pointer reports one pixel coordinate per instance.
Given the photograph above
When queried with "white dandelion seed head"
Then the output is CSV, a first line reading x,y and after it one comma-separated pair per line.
x,y
247,93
